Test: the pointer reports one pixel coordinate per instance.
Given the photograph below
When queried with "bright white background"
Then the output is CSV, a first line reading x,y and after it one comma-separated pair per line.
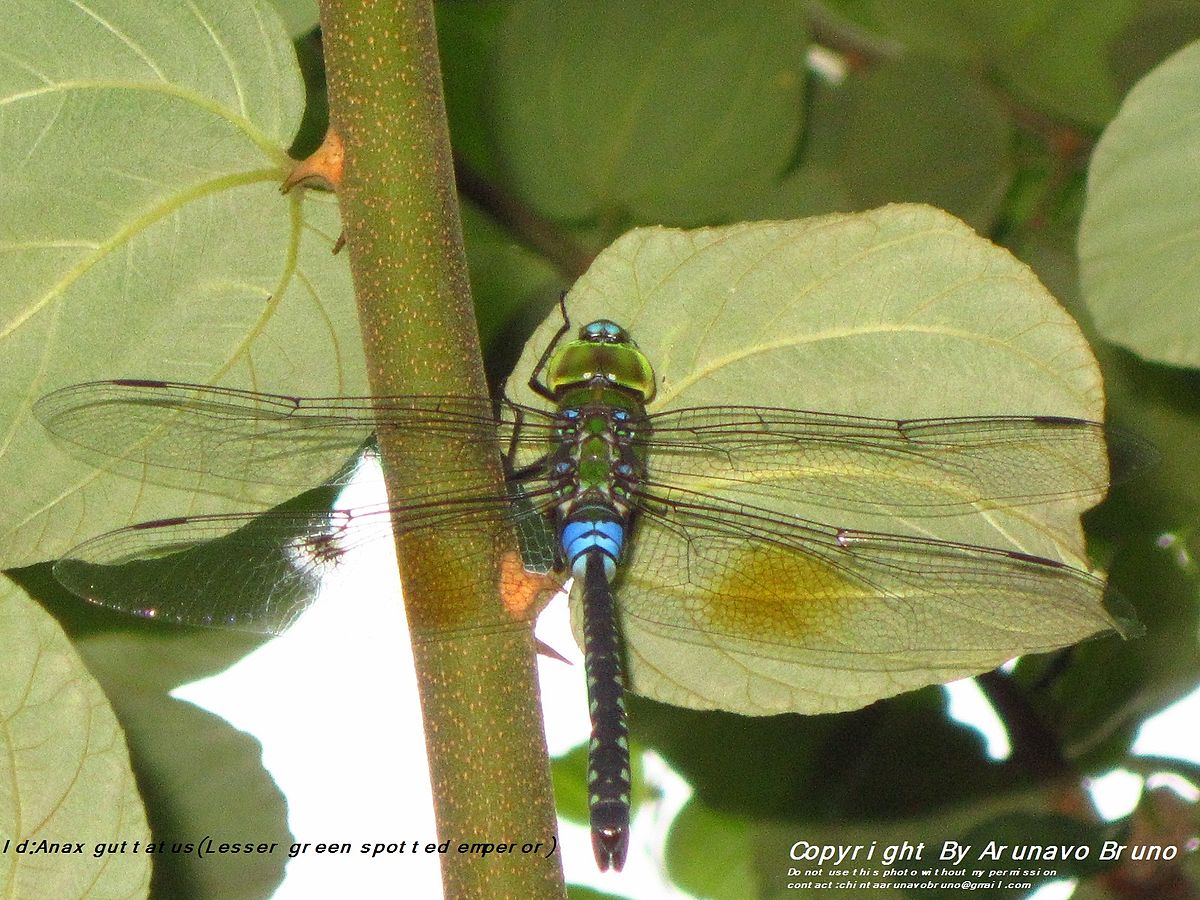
x,y
343,741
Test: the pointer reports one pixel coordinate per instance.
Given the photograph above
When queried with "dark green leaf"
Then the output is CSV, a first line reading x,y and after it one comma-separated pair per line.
x,y
652,111
710,854
919,130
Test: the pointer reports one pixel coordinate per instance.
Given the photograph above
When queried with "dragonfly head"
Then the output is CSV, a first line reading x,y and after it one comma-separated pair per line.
x,y
602,331
603,356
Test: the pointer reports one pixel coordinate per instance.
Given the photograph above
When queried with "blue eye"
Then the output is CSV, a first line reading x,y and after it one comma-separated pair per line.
x,y
570,413
620,415
602,331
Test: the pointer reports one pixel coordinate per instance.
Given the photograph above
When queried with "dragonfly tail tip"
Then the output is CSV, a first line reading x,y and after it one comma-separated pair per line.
x,y
610,845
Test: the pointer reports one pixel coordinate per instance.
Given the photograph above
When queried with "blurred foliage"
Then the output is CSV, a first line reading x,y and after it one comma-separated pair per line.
x,y
573,121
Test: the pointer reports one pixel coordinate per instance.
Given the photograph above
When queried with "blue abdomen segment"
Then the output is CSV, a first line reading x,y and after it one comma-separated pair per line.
x,y
606,535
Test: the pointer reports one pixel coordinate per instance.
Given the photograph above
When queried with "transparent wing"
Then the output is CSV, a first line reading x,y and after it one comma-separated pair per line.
x,y
259,438
926,467
704,567
258,572
914,467
710,573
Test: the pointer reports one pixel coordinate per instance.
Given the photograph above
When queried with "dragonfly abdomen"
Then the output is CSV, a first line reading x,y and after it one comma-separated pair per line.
x,y
608,776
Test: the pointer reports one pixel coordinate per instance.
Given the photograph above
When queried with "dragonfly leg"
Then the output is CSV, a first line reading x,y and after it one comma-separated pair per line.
x,y
537,467
518,424
535,383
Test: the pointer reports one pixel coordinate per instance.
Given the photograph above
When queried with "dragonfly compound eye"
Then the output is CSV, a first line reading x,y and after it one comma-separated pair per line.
x,y
602,331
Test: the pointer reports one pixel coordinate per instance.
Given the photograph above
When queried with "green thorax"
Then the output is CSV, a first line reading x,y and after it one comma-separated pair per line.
x,y
604,365
602,382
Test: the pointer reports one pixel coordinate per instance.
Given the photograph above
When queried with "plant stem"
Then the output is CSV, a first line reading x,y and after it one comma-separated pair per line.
x,y
474,660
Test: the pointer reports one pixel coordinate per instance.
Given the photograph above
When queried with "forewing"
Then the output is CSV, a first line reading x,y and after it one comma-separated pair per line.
x,y
919,467
268,439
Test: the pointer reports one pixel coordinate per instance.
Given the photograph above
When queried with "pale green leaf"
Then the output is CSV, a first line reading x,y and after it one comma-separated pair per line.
x,y
300,16
142,152
657,111
900,312
67,776
1139,243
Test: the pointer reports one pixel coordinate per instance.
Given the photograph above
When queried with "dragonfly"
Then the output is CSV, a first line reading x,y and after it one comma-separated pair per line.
x,y
634,505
